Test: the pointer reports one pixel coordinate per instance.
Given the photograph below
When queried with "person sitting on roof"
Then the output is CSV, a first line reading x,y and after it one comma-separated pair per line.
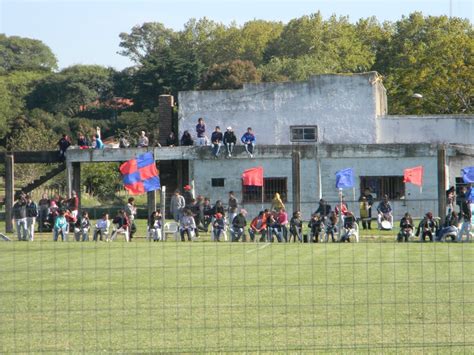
x,y
186,139
248,139
229,141
142,140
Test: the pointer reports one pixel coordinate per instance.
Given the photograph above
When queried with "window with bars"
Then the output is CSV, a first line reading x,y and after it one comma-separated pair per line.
x,y
217,182
271,186
393,186
304,133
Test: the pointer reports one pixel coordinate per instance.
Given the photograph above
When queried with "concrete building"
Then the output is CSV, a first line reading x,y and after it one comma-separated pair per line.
x,y
332,122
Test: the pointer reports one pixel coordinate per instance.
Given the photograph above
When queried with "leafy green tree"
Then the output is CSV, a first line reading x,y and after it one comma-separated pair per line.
x,y
14,88
18,53
330,46
230,75
72,89
101,179
131,124
433,56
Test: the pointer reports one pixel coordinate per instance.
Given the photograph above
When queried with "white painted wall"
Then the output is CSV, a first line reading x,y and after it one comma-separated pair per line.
x,y
426,129
416,203
344,107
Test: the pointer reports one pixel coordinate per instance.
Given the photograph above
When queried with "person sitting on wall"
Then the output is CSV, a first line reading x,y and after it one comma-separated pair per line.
x,y
172,140
201,132
384,210
97,140
82,141
142,140
123,142
216,139
249,141
229,141
186,139
406,228
427,227
64,143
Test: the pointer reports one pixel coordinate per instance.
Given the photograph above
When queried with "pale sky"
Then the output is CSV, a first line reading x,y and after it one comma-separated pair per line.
x,y
86,31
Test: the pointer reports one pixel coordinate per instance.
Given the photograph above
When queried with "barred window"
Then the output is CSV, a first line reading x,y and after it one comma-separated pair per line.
x,y
218,182
271,186
393,186
304,133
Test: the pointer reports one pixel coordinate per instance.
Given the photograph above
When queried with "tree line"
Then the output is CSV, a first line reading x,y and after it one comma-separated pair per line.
x,y
431,55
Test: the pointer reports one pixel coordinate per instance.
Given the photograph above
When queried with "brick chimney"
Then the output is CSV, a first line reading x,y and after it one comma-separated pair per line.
x,y
165,112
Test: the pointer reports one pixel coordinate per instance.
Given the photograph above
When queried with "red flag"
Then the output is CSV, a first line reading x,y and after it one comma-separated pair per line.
x,y
253,177
414,175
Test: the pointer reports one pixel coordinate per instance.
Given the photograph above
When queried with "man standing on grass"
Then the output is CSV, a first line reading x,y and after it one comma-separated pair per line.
x,y
31,214
19,216
131,212
177,205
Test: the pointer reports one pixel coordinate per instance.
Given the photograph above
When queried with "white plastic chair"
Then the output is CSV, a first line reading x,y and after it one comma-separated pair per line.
x,y
171,228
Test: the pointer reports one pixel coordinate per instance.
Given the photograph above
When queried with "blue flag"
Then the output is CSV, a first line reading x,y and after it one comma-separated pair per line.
x,y
468,174
345,178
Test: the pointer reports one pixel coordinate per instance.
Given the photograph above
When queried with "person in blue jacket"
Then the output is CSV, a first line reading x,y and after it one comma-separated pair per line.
x,y
248,139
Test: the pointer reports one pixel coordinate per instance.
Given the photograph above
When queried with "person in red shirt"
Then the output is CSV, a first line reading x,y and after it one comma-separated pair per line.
x,y
258,225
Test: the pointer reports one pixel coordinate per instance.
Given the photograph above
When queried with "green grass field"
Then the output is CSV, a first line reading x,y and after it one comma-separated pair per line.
x,y
222,297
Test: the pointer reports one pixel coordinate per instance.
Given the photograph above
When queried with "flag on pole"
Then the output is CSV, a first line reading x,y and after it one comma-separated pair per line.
x,y
413,175
253,177
468,174
140,174
345,178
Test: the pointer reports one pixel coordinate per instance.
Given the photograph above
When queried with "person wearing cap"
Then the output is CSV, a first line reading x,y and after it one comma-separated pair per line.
x,y
248,139
201,132
218,227
216,139
188,195
229,141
